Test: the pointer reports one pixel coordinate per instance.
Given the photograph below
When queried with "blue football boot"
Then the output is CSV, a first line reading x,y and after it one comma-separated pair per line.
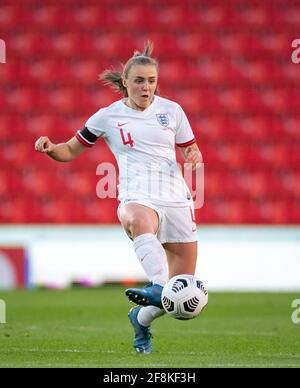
x,y
149,295
142,342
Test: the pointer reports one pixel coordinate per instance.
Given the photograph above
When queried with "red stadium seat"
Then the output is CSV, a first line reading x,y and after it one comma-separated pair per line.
x,y
85,71
171,72
51,16
194,100
276,212
291,125
170,16
278,100
211,71
213,16
262,128
110,45
15,210
89,15
100,210
278,155
243,43
49,71
10,13
275,42
56,210
22,100
254,15
193,44
28,45
67,43
81,183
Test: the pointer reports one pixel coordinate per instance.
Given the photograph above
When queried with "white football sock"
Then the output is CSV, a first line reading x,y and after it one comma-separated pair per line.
x,y
147,315
152,256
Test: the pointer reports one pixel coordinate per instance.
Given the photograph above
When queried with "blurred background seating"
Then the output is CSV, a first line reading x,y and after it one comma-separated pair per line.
x,y
227,63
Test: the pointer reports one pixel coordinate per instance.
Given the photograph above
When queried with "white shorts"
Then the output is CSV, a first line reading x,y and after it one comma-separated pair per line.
x,y
176,224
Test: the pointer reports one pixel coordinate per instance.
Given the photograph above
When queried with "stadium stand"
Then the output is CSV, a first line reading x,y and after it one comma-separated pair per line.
x,y
227,63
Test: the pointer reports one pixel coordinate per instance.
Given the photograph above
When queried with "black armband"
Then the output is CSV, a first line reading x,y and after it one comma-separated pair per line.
x,y
86,137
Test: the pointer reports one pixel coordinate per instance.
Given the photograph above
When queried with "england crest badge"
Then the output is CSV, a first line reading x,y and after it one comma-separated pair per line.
x,y
163,119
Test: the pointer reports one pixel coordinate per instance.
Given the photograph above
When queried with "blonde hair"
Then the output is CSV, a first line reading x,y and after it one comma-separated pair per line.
x,y
114,78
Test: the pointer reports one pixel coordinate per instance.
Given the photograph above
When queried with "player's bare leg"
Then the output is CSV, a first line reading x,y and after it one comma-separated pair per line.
x,y
182,258
138,219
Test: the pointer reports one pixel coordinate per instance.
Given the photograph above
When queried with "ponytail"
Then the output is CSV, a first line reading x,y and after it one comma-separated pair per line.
x,y
113,79
148,48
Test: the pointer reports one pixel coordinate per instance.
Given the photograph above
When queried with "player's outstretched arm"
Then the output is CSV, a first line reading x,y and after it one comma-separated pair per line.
x,y
64,152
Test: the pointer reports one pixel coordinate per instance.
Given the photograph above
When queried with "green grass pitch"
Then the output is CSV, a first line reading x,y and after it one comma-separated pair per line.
x,y
89,328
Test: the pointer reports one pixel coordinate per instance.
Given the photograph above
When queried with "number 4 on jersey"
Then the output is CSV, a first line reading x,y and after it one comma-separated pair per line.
x,y
129,138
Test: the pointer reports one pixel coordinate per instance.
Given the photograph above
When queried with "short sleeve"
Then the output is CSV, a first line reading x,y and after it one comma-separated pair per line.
x,y
184,133
93,129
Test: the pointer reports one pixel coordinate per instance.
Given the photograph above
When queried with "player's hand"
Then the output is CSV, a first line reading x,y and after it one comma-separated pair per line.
x,y
193,156
43,144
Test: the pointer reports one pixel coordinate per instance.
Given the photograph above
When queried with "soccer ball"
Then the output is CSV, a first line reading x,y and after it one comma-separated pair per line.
x,y
184,297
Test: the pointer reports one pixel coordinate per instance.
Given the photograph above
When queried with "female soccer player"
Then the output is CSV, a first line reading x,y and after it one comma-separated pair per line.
x,y
156,208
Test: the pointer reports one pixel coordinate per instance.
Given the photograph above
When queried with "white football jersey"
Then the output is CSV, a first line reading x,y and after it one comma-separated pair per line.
x,y
143,143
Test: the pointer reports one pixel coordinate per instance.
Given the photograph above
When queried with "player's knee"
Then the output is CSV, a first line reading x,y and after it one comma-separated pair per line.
x,y
138,225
